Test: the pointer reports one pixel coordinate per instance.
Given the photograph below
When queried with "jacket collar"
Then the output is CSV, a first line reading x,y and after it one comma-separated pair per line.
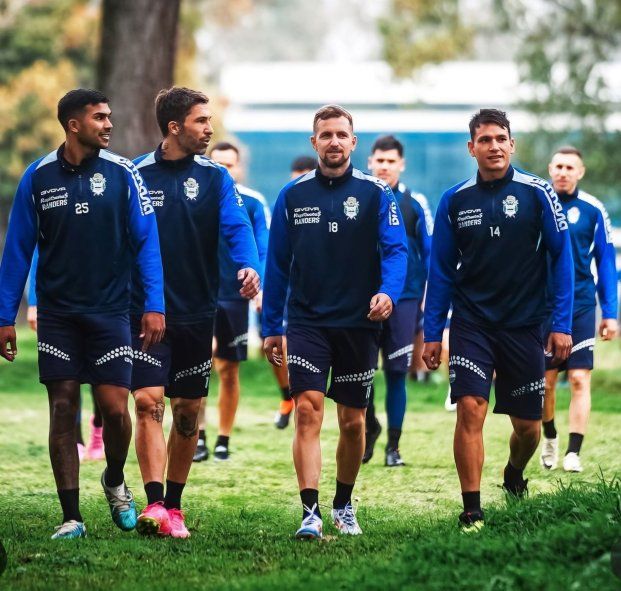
x,y
564,197
335,181
85,165
496,183
180,164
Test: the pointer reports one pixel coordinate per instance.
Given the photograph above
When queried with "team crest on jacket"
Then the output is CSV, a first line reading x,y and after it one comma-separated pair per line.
x,y
510,206
98,183
190,188
351,207
573,215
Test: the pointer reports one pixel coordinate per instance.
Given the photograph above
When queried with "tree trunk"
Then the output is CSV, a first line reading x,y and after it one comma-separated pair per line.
x,y
136,60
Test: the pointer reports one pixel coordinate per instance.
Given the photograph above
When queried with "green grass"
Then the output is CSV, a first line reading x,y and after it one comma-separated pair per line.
x,y
242,515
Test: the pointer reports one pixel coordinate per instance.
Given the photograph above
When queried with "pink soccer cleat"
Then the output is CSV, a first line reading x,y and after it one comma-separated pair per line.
x,y
177,524
95,449
154,520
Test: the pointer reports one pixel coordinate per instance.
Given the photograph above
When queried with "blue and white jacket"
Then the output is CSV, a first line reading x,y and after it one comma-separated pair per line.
x,y
90,222
260,218
488,255
418,223
195,200
591,238
334,242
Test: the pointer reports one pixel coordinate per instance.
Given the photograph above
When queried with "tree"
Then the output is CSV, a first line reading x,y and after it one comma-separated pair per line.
x,y
137,59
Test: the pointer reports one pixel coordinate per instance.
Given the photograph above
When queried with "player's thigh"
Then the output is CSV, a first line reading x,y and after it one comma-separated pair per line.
x,y
150,368
583,337
308,358
231,330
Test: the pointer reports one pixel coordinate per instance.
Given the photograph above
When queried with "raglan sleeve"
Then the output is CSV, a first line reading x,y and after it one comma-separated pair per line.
x,y
260,225
21,239
442,272
32,279
142,226
604,253
425,228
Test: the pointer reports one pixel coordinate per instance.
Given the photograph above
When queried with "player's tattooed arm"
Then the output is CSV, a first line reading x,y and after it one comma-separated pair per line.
x,y
157,414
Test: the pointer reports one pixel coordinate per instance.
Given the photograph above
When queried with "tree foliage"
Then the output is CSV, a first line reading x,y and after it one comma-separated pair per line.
x,y
416,32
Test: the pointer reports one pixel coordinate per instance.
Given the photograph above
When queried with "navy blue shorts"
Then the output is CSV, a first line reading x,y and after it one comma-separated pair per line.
x,y
89,348
350,352
181,362
583,337
397,336
517,357
420,318
231,331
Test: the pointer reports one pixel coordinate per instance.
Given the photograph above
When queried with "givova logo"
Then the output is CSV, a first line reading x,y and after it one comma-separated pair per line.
x,y
393,216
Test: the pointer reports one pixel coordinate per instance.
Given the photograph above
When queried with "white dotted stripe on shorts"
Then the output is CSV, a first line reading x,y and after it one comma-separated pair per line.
x,y
403,351
583,345
458,360
124,351
203,369
45,348
536,386
355,377
142,356
296,360
242,339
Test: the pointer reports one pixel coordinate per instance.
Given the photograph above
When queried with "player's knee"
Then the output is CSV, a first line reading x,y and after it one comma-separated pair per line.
x,y
228,372
579,380
146,404
352,426
527,429
471,412
185,418
307,416
64,411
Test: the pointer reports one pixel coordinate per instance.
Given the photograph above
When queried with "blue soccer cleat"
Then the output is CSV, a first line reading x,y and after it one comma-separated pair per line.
x,y
70,530
122,507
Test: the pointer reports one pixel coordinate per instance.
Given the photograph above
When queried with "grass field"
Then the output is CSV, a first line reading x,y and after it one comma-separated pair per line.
x,y
243,514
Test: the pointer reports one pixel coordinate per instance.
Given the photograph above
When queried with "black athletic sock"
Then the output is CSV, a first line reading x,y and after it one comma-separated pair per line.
x,y
114,472
513,476
472,501
155,492
393,438
310,497
174,490
343,495
222,440
549,429
70,504
284,392
202,435
575,443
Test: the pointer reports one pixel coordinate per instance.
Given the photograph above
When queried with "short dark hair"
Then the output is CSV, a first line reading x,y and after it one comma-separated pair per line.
x,y
73,103
304,163
221,146
568,150
388,142
174,104
331,112
484,116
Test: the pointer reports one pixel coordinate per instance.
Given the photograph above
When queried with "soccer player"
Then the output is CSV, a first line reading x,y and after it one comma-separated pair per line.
x,y
337,244
492,234
386,162
591,238
195,200
89,213
231,327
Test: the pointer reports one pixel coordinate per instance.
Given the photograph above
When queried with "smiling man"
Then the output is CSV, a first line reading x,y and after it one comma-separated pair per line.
x,y
338,246
89,213
195,200
492,236
591,239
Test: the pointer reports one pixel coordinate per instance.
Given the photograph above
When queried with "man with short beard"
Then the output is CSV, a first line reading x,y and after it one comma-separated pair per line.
x,y
89,213
195,200
338,246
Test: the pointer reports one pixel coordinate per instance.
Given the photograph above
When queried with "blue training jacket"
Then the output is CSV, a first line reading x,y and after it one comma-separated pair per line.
x,y
488,255
335,242
90,222
591,238
418,224
195,200
260,218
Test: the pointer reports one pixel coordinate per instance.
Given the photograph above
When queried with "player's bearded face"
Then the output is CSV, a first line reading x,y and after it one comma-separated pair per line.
x,y
334,141
565,171
195,133
94,126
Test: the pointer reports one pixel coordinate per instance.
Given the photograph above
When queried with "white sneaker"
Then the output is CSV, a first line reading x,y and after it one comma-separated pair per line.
x,y
345,520
571,462
549,453
312,525
448,405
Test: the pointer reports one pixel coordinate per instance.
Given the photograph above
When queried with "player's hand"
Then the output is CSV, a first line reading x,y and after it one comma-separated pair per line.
x,y
250,283
152,329
272,347
381,307
431,355
558,347
608,329
258,302
31,316
8,337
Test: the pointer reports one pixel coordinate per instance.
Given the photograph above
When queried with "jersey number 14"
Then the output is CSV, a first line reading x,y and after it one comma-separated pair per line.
x,y
494,231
